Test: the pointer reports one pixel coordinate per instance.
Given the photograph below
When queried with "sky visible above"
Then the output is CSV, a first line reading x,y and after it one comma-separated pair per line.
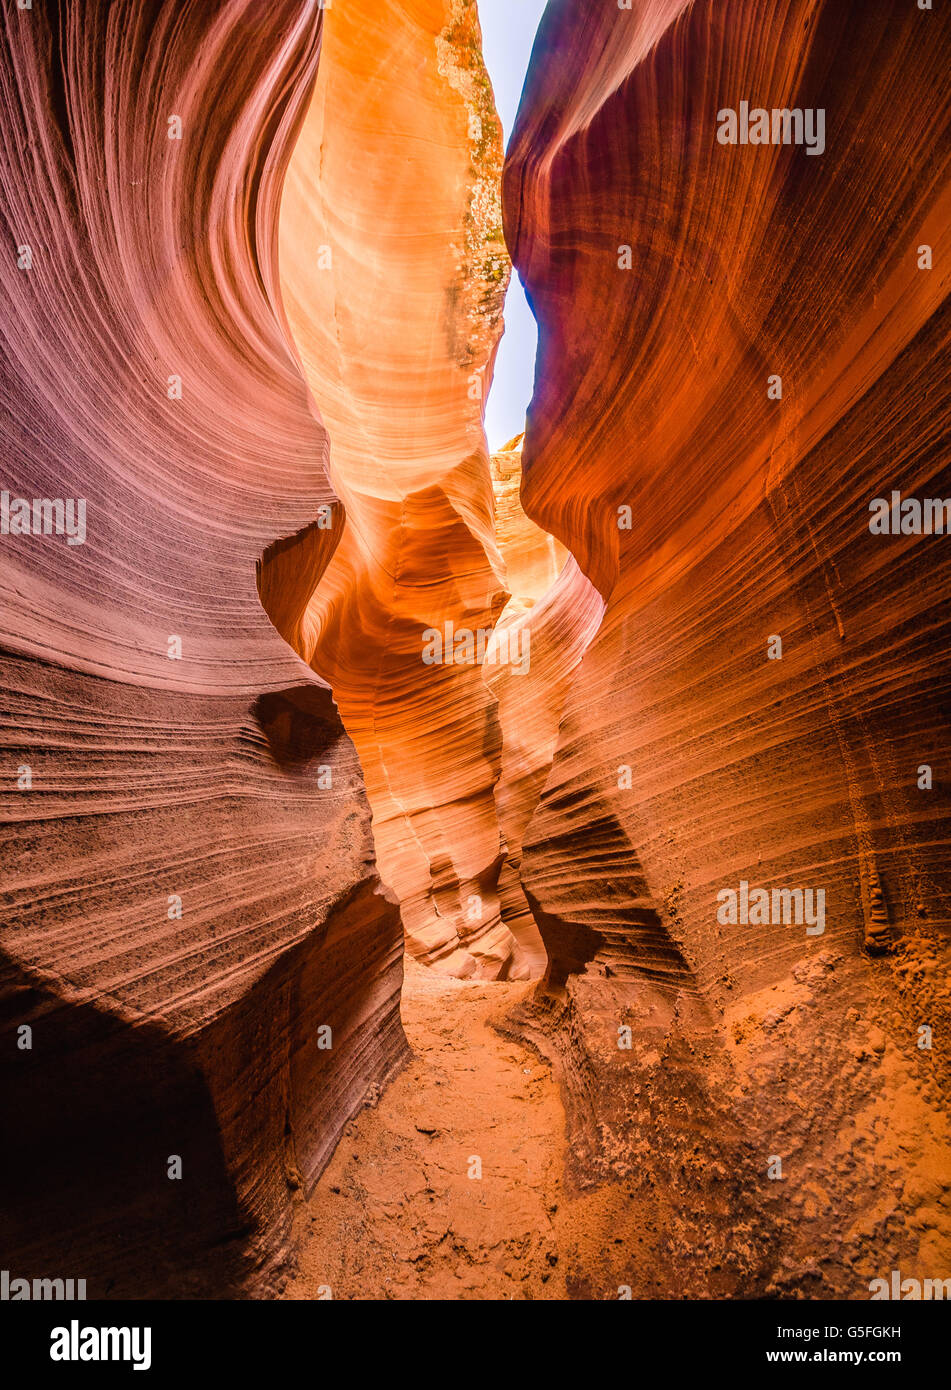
x,y
508,32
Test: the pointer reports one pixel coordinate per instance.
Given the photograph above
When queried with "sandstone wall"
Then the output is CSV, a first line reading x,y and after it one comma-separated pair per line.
x,y
186,905
394,272
687,760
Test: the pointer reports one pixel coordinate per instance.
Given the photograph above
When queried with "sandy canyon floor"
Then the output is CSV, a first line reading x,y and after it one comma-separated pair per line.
x,y
396,1214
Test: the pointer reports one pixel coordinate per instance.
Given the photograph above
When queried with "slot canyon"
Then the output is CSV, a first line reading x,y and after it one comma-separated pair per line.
x,y
439,866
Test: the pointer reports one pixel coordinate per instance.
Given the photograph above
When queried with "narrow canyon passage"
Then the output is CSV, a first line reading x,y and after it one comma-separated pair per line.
x,y
467,1177
665,885
394,284
452,1183
450,1186
435,541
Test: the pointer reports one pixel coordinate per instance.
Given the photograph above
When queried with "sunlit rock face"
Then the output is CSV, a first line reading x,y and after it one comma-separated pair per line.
x,y
740,348
265,445
533,559
394,271
552,615
190,905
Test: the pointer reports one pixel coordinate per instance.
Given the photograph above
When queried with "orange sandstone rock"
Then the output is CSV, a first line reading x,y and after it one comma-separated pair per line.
x,y
741,346
188,903
394,271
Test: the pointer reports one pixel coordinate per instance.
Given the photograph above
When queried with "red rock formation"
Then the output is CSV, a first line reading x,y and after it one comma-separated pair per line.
x,y
687,759
551,617
732,679
394,273
188,900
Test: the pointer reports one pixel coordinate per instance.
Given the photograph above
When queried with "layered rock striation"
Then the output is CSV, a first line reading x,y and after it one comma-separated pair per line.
x,y
199,970
244,467
394,270
741,347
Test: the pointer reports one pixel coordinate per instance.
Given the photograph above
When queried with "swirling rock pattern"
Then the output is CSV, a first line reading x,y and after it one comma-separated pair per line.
x,y
676,281
552,615
733,679
192,898
394,274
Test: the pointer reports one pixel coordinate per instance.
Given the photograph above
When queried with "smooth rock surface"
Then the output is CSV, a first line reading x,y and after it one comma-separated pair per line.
x,y
687,760
185,905
394,272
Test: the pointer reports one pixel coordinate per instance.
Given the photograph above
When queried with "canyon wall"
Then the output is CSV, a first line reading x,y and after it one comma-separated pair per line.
x,y
270,440
394,272
740,347
553,613
198,967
